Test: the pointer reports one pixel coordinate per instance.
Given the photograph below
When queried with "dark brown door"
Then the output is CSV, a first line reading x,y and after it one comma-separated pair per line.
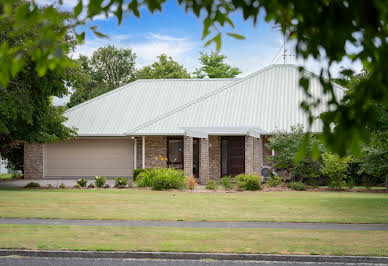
x,y
232,155
196,157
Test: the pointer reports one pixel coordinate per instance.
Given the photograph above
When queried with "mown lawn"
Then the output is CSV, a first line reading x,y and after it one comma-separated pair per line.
x,y
5,176
131,204
278,241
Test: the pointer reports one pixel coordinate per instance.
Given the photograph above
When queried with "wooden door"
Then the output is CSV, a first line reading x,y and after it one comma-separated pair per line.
x,y
232,155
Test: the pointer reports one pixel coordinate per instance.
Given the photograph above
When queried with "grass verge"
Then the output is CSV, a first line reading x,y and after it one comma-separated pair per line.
x,y
332,207
5,176
277,241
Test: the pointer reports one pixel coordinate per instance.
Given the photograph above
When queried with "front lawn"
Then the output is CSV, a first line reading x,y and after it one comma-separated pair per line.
x,y
332,207
5,176
277,241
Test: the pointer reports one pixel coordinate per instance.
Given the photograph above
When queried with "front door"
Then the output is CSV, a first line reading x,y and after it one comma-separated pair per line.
x,y
196,157
232,155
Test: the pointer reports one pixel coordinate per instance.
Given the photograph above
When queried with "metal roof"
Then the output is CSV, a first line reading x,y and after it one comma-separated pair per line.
x,y
268,99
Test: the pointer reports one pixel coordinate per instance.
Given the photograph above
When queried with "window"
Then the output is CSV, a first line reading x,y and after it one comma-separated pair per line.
x,y
175,152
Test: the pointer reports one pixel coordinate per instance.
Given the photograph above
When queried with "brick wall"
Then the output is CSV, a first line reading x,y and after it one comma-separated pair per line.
x,y
188,155
249,155
138,153
203,161
33,160
155,146
214,157
257,155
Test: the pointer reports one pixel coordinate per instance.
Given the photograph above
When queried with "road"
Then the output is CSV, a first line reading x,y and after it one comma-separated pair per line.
x,y
41,261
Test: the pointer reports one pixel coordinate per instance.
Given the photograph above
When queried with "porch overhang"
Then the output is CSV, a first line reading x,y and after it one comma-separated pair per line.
x,y
204,132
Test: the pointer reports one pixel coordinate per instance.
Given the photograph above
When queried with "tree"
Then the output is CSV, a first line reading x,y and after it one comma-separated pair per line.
x,y
107,69
213,66
286,146
322,30
164,68
335,168
26,109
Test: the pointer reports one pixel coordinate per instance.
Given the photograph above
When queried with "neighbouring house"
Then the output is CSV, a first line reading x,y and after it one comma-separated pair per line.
x,y
3,167
208,127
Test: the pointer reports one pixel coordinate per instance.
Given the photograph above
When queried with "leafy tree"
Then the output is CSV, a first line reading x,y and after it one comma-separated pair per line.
x,y
213,66
335,168
164,68
26,109
286,146
107,69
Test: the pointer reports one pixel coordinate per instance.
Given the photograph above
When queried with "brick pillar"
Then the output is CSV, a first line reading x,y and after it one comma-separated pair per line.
x,y
188,155
249,155
203,161
33,160
257,155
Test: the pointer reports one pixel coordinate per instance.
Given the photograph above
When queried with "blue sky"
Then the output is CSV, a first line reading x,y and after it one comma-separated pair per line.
x,y
178,35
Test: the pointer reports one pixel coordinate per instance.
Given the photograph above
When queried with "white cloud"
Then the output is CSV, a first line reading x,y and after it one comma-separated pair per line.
x,y
164,37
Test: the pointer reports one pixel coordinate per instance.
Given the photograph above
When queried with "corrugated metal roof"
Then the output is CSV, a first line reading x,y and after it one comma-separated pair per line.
x,y
269,99
116,112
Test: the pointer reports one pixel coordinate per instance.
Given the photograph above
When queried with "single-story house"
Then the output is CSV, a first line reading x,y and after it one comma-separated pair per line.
x,y
208,127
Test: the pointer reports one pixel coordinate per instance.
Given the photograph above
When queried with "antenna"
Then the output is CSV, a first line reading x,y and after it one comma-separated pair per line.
x,y
284,55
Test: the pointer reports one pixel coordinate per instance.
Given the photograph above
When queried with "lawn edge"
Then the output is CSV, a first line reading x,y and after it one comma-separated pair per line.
x,y
192,256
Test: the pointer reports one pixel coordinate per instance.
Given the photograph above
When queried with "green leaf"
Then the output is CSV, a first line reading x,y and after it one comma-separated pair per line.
x,y
80,37
237,36
78,8
216,39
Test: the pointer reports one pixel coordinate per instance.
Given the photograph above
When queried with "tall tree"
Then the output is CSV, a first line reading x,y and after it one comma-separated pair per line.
x,y
26,109
213,66
164,68
107,69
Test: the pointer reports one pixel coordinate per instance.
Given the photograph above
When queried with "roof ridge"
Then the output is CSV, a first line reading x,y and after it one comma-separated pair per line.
x,y
199,99
193,79
102,95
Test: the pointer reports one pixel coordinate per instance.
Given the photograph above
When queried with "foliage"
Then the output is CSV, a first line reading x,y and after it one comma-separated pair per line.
x,y
49,186
14,153
62,186
100,181
248,182
274,181
212,184
137,172
82,182
91,185
108,68
77,186
191,183
32,185
227,182
335,168
121,182
161,178
297,185
287,145
213,66
164,68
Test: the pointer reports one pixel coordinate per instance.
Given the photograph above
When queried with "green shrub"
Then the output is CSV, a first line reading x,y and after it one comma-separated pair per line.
x,y
100,181
32,185
227,182
137,172
212,184
121,182
335,168
159,179
145,178
49,186
274,181
77,186
91,185
82,182
248,182
62,185
297,186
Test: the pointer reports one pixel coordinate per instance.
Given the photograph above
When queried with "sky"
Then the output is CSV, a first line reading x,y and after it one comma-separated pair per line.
x,y
178,34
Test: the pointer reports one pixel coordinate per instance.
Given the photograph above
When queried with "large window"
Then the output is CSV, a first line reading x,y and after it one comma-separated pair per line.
x,y
175,152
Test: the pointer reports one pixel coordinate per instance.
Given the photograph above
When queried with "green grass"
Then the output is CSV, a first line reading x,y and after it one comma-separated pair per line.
x,y
332,207
5,176
278,241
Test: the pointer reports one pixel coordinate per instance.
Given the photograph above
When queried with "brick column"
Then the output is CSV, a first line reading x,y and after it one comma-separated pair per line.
x,y
188,155
257,155
33,160
203,161
249,155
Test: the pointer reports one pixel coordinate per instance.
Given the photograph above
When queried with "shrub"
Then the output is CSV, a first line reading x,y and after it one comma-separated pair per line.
x,y
248,182
167,179
145,178
297,186
100,181
62,185
91,185
49,186
212,184
32,185
121,182
274,181
227,182
335,167
191,183
137,172
77,186
82,182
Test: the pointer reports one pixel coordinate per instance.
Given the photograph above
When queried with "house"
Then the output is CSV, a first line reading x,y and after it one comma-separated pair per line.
x,y
208,127
3,167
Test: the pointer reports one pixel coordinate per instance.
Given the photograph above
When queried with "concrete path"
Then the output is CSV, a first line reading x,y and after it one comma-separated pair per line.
x,y
327,226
